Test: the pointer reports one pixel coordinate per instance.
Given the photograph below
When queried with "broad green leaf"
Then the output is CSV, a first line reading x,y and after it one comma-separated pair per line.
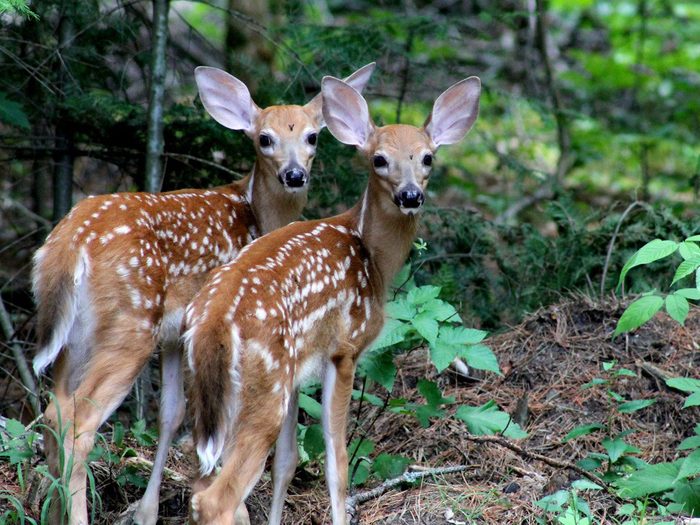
x,y
592,462
694,238
313,441
379,366
387,466
686,268
692,400
360,447
360,472
425,412
442,354
458,335
309,405
677,307
615,448
426,326
688,250
481,357
690,466
400,309
689,293
690,443
14,428
583,430
422,294
553,502
366,396
626,510
633,406
432,394
687,495
638,313
686,384
441,311
584,484
488,419
650,252
393,332
654,478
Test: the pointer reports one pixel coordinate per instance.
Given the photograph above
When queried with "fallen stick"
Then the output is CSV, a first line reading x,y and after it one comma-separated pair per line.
x,y
557,463
144,464
407,477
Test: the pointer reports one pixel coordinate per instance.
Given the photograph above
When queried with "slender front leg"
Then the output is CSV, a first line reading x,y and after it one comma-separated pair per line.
x,y
285,462
172,412
337,388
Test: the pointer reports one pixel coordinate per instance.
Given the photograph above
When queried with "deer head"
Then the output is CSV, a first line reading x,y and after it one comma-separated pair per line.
x,y
285,137
400,156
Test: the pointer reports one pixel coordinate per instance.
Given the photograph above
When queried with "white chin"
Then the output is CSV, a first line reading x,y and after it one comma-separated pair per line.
x,y
411,211
300,189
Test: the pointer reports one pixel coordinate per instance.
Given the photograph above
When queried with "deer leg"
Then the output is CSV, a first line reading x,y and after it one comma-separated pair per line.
x,y
108,378
337,388
55,433
172,412
256,430
285,462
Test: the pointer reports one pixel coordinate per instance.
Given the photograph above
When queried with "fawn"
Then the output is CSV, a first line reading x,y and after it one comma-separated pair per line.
x,y
113,278
307,299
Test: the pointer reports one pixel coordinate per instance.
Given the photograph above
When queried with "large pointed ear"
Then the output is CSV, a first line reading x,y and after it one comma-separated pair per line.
x,y
226,99
345,112
454,112
358,80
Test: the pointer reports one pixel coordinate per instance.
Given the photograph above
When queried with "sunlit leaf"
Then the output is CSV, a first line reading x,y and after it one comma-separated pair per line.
x,y
650,252
638,313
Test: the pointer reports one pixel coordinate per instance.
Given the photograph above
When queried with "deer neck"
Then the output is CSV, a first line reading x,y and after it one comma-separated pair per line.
x,y
386,233
272,205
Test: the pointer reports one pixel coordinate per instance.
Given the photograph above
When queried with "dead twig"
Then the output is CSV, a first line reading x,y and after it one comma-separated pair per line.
x,y
25,373
556,463
408,477
612,244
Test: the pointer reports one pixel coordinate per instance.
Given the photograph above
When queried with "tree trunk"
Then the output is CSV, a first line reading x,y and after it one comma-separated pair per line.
x,y
63,134
154,145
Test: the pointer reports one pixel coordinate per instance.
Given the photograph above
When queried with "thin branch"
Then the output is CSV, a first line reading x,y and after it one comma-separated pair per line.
x,y
563,135
611,244
556,463
408,477
7,203
25,373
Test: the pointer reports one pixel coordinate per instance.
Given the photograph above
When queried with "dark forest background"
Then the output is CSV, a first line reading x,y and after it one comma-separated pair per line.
x,y
587,145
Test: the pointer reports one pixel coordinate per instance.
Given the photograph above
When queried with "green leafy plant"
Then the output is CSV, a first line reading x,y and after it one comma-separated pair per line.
x,y
676,302
567,506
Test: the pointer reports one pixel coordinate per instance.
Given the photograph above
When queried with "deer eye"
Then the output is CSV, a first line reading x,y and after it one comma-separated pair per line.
x,y
311,139
379,161
265,141
428,160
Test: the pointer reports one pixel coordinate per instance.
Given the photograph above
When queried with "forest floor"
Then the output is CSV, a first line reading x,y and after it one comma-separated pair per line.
x,y
546,361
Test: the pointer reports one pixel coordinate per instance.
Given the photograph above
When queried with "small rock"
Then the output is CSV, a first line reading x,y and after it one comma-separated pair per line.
x,y
511,488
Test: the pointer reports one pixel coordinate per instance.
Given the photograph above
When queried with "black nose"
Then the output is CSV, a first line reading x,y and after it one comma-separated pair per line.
x,y
411,197
294,178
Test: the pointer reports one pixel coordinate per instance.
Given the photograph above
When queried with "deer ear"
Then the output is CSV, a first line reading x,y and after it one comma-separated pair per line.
x,y
345,112
358,80
226,99
454,112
